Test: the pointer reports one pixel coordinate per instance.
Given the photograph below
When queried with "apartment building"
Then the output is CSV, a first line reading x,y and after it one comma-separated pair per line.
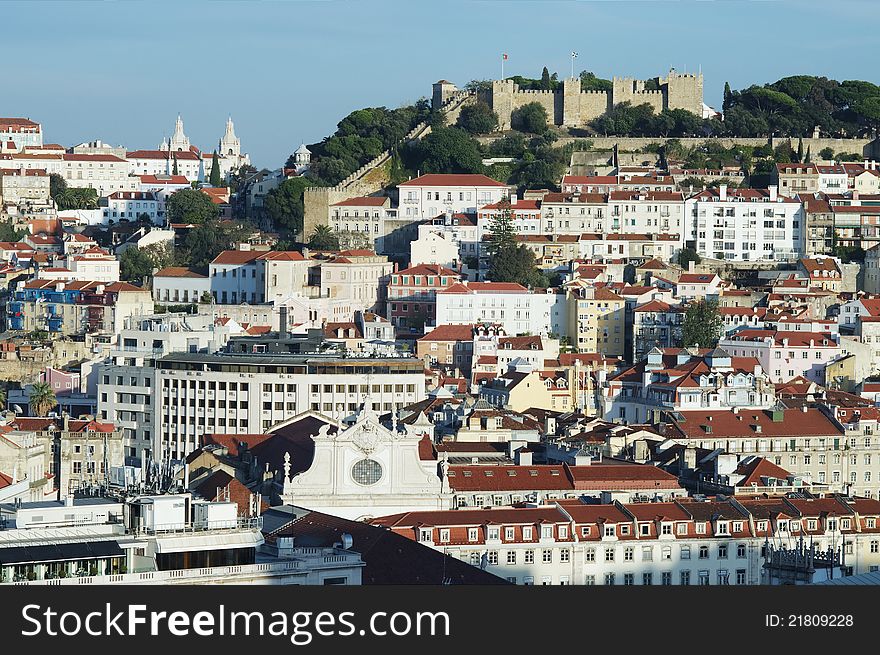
x,y
745,224
685,542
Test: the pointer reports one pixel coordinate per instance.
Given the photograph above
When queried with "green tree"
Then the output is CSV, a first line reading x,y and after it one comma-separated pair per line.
x,y
800,150
530,118
8,232
702,324
323,238
516,264
57,184
686,256
284,204
589,82
444,150
42,398
502,233
135,265
807,157
174,170
826,153
215,170
728,96
190,206
209,239
545,79
477,118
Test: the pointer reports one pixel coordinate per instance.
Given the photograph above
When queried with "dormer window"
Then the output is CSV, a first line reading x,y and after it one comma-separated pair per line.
x,y
844,524
609,531
473,534
425,534
492,533
723,527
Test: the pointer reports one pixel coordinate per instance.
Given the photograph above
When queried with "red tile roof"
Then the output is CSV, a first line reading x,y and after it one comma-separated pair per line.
x,y
365,201
726,423
450,333
178,271
453,180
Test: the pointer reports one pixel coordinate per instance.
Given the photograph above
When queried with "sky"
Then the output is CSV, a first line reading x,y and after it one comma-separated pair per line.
x,y
288,71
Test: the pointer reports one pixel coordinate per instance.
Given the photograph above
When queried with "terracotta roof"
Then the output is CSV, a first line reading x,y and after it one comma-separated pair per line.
x,y
697,278
450,333
428,269
726,423
178,271
756,468
364,201
453,180
164,179
484,287
162,154
238,256
90,426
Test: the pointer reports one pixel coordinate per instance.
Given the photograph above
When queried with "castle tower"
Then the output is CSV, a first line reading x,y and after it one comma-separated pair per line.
x,y
230,145
441,92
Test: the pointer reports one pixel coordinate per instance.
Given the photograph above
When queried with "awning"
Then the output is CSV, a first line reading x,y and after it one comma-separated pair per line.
x,y
60,552
209,542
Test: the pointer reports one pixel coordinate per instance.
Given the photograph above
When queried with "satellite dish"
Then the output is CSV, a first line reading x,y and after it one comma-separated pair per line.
x,y
347,541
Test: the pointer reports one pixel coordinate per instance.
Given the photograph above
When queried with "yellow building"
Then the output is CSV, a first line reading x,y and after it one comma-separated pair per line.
x,y
596,320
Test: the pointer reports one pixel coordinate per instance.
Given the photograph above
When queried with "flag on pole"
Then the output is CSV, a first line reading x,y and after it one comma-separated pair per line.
x,y
504,56
574,54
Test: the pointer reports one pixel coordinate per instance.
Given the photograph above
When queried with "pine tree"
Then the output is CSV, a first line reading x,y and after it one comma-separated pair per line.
x,y
215,170
174,168
727,97
800,150
807,157
502,233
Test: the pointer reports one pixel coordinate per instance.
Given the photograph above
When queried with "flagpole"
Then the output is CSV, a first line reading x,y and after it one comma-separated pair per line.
x,y
502,67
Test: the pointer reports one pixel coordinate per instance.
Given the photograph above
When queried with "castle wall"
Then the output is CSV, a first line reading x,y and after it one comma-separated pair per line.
x,y
627,89
571,107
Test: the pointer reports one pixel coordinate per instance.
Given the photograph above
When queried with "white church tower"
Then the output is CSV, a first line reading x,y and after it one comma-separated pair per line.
x,y
230,146
179,141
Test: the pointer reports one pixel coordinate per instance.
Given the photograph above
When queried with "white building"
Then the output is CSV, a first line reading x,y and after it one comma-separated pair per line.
x,y
703,543
517,309
23,132
130,205
187,163
429,196
176,284
744,225
645,212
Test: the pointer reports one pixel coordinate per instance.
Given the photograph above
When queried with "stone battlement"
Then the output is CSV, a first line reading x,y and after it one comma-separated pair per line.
x,y
569,106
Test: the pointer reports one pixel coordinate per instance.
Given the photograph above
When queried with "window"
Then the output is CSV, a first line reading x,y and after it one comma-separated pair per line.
x,y
681,528
685,552
529,557
666,528
684,578
722,551
444,536
511,557
704,552
628,579
647,553
647,578
425,534
609,579
526,533
740,551
609,554
666,553
508,534
473,534
645,529
609,531
564,555
704,578
701,528
547,555
628,554
590,555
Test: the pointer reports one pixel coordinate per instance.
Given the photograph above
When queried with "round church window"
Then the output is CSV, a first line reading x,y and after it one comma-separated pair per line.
x,y
366,472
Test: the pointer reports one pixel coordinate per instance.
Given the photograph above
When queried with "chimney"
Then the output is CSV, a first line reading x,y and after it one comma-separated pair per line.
x,y
524,457
691,266
855,194
282,321
773,189
722,192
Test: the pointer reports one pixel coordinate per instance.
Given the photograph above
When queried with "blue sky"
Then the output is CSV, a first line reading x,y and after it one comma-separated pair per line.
x,y
287,70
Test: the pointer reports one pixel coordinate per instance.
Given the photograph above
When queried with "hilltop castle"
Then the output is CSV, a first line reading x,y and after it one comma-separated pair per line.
x,y
569,106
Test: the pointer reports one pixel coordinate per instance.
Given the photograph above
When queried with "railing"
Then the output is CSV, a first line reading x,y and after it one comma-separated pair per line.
x,y
240,523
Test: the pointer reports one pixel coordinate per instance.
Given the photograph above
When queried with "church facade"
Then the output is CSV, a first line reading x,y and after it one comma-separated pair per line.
x,y
364,470
228,150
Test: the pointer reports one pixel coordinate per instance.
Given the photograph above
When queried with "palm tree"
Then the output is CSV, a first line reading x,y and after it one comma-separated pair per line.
x,y
66,199
323,238
2,397
42,398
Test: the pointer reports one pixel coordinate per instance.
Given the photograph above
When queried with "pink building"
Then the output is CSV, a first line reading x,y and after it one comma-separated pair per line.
x,y
786,354
63,383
